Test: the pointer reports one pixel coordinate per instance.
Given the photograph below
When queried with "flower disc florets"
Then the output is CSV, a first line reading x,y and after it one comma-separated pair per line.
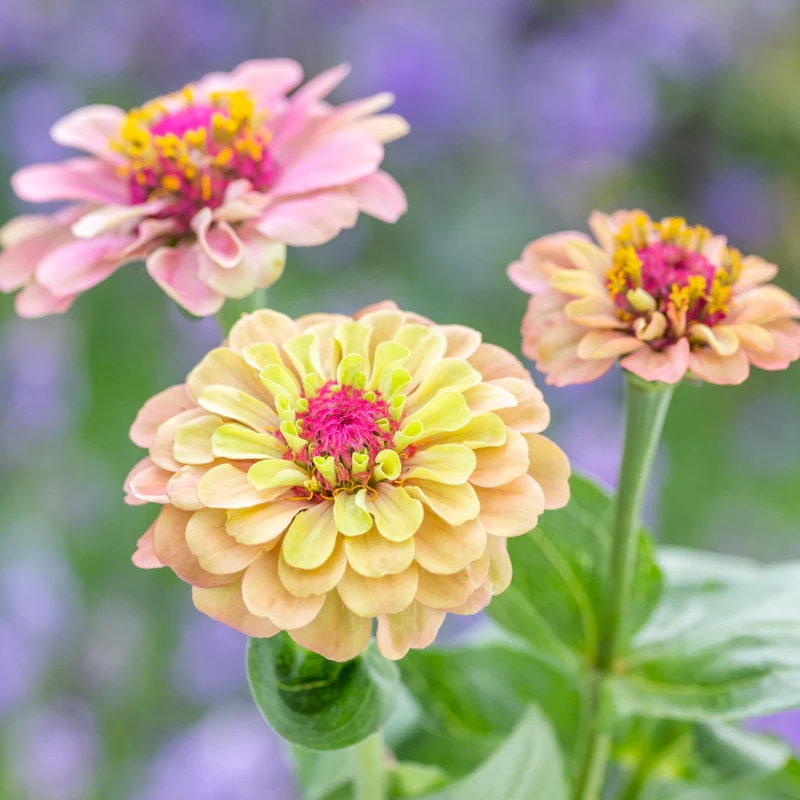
x,y
668,298
318,474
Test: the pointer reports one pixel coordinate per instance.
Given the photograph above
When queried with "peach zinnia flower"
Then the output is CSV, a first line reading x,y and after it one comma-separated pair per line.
x,y
208,185
672,299
317,474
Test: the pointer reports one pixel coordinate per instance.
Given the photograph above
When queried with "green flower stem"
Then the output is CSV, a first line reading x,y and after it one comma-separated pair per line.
x,y
647,406
371,774
233,309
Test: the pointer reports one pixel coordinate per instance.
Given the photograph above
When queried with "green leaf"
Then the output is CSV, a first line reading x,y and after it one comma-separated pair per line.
x,y
733,753
321,774
528,764
471,698
555,598
316,703
412,780
724,643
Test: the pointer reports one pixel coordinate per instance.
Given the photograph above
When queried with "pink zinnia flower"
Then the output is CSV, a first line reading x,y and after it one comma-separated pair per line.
x,y
671,299
208,185
317,474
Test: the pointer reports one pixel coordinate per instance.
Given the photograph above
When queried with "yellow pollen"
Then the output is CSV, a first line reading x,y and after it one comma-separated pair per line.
x,y
171,183
224,156
206,184
719,296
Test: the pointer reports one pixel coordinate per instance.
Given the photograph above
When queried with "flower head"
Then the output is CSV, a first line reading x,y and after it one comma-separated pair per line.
x,y
208,185
671,298
319,473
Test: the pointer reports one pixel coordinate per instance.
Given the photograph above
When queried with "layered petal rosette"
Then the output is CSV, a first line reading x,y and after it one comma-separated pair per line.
x,y
670,300
208,185
319,473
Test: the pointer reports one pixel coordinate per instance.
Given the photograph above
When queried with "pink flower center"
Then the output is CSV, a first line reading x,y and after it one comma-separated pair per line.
x,y
665,266
188,152
351,426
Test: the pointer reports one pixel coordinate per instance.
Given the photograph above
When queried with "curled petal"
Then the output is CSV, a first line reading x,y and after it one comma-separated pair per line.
x,y
336,633
225,604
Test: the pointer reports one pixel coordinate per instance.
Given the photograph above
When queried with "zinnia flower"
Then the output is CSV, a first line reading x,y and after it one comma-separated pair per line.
x,y
208,185
673,300
319,473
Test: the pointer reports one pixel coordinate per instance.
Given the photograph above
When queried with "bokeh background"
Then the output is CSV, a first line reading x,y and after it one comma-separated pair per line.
x,y
526,115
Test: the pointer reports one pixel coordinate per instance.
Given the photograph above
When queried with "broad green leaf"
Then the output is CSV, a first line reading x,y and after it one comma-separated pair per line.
x,y
527,765
556,596
733,753
471,698
724,644
316,703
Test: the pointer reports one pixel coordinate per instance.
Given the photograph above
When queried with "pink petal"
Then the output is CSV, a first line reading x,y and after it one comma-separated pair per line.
x,y
145,557
74,179
157,410
80,264
341,158
218,240
322,85
714,368
380,195
607,344
265,78
18,262
24,227
785,336
115,216
91,129
238,282
36,301
667,366
175,270
309,220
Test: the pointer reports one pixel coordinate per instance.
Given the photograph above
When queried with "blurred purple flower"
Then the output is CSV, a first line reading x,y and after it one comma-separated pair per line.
x,y
231,753
54,752
785,725
210,661
739,200
20,666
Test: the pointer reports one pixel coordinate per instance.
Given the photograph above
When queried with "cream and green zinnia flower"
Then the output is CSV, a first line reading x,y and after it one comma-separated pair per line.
x,y
316,474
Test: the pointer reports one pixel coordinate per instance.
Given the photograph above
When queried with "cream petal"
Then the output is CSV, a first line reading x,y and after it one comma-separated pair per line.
x,y
397,514
337,633
448,591
511,509
171,549
587,257
265,595
311,537
483,430
350,513
500,568
415,627
385,322
262,525
577,283
239,443
498,465
225,486
549,467
224,367
449,373
462,342
427,345
455,504
441,463
369,597
593,312
753,337
374,556
193,440
607,344
225,604
444,549
305,582
240,406
216,550
721,339
476,602
448,411
262,326
273,473
494,362
161,450
158,410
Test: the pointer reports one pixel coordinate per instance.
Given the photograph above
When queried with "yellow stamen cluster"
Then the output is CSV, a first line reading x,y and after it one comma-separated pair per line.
x,y
682,297
627,269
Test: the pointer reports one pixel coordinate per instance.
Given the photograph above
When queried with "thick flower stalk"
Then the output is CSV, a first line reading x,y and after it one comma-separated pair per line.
x,y
669,299
207,185
319,473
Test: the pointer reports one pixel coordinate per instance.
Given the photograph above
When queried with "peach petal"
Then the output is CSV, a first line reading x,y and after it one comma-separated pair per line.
x,y
576,371
444,549
593,312
586,256
157,410
337,633
607,344
374,556
369,597
414,627
380,196
763,305
489,397
511,509
531,414
266,596
498,465
500,568
493,363
225,486
140,466
216,550
171,549
755,271
541,259
182,487
714,368
455,504
305,582
462,342
449,591
785,336
550,468
145,557
263,524
225,604
150,484
163,445
752,336
193,440
476,602
667,366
